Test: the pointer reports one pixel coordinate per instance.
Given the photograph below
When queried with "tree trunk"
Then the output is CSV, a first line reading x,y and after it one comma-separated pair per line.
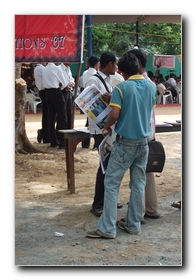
x,y
22,143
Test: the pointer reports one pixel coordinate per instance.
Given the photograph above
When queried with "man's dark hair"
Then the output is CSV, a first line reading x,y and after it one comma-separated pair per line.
x,y
128,63
150,74
141,55
92,61
107,57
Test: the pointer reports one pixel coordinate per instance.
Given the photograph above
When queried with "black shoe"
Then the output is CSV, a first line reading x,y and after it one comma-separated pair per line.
x,y
176,204
46,141
39,136
119,205
157,216
96,212
54,145
61,146
143,222
86,143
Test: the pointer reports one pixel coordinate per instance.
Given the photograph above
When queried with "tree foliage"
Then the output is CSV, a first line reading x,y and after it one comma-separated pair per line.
x,y
164,39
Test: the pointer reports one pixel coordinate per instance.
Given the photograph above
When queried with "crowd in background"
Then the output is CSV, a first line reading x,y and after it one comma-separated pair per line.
x,y
169,83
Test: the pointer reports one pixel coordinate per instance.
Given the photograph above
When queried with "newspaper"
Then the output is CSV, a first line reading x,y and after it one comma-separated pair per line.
x,y
105,149
82,129
90,101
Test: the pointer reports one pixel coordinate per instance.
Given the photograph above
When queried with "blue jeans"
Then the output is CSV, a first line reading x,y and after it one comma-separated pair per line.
x,y
126,154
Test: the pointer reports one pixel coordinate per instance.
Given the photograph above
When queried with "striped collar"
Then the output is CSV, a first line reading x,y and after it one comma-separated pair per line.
x,y
136,77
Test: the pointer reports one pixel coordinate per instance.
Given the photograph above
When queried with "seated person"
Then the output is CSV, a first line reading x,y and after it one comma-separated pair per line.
x,y
162,89
171,85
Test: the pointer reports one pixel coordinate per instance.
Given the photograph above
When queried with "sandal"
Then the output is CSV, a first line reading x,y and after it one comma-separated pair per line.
x,y
176,204
157,216
119,205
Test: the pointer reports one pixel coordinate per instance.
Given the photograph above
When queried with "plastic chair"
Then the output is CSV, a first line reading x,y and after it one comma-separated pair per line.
x,y
162,90
32,101
159,99
166,96
178,89
179,98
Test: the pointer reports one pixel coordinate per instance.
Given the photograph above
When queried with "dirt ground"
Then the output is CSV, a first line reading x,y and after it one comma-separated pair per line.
x,y
43,206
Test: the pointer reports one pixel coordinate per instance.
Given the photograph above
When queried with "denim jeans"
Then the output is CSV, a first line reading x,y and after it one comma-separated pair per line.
x,y
126,154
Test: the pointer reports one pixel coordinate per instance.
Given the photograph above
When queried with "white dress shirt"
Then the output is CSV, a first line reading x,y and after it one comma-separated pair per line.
x,y
67,73
81,84
96,81
38,76
87,74
161,88
52,76
116,79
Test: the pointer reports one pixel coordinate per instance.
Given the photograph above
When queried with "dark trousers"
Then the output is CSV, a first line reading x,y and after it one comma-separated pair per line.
x,y
86,142
174,92
69,103
68,97
56,106
44,129
99,185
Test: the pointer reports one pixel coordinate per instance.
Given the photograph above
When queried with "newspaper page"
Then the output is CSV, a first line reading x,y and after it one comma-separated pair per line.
x,y
105,149
90,101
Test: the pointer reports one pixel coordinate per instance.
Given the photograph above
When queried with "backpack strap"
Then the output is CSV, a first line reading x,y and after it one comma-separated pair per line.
x,y
99,76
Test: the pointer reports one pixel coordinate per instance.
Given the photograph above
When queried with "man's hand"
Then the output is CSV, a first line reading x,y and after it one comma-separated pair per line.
x,y
69,86
107,131
106,97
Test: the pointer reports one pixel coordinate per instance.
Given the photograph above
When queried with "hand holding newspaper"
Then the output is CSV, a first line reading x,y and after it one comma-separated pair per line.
x,y
91,102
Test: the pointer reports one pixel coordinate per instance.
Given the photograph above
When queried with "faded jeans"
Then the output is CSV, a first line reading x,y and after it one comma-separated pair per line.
x,y
126,154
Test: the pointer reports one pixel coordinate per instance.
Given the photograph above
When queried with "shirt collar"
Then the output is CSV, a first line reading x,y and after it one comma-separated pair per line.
x,y
102,75
91,70
136,77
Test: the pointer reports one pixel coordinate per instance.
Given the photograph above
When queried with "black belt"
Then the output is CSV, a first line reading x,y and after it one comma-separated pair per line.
x,y
52,88
121,137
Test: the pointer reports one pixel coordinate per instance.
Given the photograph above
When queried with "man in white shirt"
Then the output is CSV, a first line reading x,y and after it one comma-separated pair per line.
x,y
94,64
68,91
108,65
162,91
53,81
42,134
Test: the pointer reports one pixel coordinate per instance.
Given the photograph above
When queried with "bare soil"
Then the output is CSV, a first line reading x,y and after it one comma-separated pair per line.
x,y
43,206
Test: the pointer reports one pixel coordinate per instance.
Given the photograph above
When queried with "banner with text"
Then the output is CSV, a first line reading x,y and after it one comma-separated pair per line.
x,y
49,38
